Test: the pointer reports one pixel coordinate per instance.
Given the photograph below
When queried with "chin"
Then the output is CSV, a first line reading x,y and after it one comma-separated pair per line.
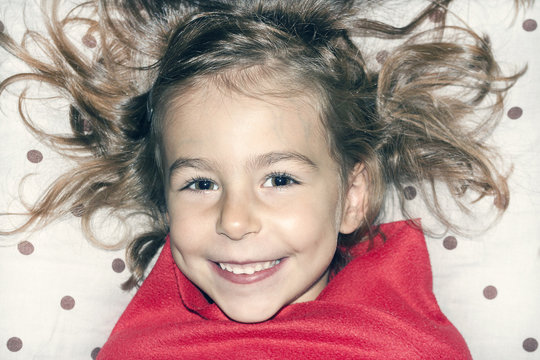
x,y
248,314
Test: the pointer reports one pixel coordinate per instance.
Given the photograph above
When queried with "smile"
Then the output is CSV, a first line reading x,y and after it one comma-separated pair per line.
x,y
248,273
248,269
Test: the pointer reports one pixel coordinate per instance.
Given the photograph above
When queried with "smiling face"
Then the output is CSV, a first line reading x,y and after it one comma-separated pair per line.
x,y
254,200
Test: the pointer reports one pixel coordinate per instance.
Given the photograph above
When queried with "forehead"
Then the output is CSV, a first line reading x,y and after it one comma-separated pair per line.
x,y
207,118
211,106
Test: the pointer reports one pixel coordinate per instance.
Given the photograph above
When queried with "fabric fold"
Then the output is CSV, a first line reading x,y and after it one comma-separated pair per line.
x,y
380,306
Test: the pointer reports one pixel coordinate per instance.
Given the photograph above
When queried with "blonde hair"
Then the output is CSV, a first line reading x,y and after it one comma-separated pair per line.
x,y
403,123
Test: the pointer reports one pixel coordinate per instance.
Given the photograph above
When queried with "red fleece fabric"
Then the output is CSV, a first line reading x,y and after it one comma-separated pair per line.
x,y
380,306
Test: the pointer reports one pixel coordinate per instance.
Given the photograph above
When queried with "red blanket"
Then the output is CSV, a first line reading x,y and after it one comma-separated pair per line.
x,y
380,306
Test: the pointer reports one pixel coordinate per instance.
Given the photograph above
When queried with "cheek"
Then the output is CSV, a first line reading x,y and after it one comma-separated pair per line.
x,y
313,221
188,229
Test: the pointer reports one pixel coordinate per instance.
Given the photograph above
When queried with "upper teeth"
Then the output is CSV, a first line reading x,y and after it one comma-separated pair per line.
x,y
248,268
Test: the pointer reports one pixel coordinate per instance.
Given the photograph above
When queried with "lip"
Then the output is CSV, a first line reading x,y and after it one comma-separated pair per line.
x,y
246,279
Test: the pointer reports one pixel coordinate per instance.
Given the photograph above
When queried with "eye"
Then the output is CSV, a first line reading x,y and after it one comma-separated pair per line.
x,y
201,185
279,180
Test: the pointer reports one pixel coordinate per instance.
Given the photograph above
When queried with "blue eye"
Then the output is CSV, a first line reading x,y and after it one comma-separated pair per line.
x,y
202,185
279,180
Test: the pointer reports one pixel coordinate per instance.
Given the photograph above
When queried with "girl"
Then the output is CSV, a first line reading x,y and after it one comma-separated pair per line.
x,y
261,145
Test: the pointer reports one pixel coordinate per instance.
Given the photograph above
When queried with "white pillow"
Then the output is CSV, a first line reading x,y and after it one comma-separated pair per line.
x,y
60,297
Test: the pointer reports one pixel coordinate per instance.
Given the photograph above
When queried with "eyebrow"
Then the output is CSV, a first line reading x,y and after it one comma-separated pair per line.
x,y
271,158
257,162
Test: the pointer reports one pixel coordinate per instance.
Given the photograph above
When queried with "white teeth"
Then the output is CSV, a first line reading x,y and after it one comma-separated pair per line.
x,y
248,269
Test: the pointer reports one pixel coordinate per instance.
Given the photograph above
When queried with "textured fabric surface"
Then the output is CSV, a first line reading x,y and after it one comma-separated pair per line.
x,y
380,306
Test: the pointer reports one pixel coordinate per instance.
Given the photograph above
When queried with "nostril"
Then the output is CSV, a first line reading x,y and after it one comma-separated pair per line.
x,y
237,219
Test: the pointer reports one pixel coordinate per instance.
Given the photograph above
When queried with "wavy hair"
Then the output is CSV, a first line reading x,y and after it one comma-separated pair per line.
x,y
408,122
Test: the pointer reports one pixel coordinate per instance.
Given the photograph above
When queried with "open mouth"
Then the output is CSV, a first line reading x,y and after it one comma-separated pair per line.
x,y
248,273
248,269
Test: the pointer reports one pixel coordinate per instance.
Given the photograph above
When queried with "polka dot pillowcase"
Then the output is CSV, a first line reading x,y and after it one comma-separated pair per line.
x,y
60,297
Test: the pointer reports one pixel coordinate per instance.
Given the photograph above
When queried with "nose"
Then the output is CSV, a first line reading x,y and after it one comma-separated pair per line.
x,y
238,215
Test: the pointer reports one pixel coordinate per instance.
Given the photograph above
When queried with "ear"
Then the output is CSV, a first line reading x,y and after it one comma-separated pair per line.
x,y
355,200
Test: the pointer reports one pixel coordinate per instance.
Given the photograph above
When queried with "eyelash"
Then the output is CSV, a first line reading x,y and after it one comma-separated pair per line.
x,y
196,180
290,180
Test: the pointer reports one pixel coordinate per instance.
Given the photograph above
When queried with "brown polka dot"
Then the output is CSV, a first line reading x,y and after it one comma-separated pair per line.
x,y
437,16
530,344
95,353
67,303
409,192
34,156
14,344
2,27
118,265
529,25
515,113
25,247
450,242
77,210
89,41
490,292
381,56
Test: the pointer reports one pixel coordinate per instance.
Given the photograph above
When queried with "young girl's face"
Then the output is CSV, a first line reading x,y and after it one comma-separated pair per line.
x,y
254,200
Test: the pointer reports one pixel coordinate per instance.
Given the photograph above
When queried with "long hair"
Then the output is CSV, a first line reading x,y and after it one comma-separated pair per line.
x,y
407,123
